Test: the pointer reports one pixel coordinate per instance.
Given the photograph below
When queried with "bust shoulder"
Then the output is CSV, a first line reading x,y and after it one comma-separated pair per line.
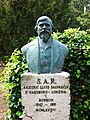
x,y
59,44
61,47
27,46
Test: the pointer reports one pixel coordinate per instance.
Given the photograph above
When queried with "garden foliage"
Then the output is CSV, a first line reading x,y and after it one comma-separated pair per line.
x,y
18,18
12,77
77,64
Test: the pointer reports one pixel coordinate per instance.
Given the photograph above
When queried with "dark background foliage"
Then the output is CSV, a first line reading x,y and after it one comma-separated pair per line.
x,y
77,64
18,18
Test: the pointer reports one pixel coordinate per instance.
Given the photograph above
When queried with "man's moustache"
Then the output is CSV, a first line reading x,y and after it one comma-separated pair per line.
x,y
44,31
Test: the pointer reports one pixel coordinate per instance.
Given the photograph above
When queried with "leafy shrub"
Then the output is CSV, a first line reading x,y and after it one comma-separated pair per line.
x,y
77,64
14,68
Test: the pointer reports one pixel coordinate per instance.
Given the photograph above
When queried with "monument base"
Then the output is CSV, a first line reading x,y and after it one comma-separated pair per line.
x,y
46,96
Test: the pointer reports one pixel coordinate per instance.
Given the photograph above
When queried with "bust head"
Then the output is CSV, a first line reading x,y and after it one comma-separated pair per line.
x,y
44,28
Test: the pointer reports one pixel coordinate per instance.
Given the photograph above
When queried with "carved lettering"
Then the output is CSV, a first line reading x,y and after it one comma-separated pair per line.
x,y
53,81
45,82
39,81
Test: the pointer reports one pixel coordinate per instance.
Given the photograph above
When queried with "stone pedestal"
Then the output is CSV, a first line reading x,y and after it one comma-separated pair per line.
x,y
46,96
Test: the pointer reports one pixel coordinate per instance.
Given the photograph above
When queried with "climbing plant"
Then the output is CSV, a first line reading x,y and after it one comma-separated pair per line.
x,y
77,64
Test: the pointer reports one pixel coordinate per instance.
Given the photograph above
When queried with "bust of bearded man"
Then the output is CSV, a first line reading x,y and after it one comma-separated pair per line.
x,y
45,54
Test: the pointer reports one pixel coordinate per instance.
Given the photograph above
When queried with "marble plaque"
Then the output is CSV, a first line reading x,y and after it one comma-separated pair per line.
x,y
46,96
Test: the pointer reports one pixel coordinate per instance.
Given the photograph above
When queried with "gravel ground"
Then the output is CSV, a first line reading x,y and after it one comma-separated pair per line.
x,y
3,106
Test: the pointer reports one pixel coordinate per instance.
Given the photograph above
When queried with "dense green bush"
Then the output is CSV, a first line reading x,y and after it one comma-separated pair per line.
x,y
12,77
77,64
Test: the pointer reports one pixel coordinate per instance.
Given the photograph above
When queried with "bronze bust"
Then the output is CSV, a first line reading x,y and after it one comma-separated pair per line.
x,y
45,54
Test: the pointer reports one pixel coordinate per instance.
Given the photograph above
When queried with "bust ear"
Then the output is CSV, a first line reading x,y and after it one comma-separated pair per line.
x,y
53,27
35,28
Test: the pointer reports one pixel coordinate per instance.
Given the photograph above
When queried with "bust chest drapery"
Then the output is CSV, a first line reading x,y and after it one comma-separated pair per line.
x,y
49,59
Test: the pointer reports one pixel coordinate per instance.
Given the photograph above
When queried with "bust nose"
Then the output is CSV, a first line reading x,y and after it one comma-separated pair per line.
x,y
44,26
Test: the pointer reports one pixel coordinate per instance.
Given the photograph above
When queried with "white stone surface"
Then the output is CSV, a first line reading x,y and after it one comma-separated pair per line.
x,y
46,96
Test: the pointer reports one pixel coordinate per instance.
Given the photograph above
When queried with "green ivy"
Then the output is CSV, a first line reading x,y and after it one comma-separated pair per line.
x,y
12,77
77,64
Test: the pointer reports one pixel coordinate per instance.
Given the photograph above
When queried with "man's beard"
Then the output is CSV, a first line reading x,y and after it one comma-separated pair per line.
x,y
45,35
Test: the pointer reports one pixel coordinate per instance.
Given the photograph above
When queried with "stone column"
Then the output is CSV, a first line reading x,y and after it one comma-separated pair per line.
x,y
46,96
